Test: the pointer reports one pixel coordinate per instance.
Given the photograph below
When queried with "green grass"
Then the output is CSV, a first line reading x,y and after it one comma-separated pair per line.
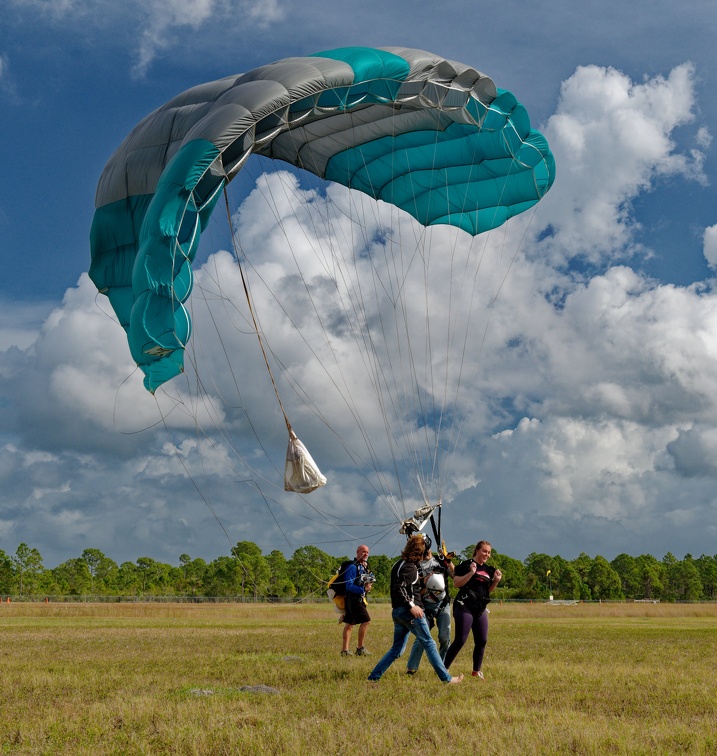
x,y
167,679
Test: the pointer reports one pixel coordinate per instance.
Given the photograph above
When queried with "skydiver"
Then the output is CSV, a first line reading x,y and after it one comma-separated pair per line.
x,y
358,585
475,580
408,615
433,572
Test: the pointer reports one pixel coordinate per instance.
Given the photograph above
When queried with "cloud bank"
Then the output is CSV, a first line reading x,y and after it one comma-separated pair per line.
x,y
586,406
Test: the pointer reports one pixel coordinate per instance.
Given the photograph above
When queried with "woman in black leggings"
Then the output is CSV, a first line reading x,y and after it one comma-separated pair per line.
x,y
475,580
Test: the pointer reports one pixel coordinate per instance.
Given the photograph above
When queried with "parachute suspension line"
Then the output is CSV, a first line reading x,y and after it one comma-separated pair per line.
x,y
322,518
253,316
466,334
430,414
382,367
346,395
373,363
495,296
438,423
252,482
189,475
439,400
515,254
363,335
302,394
398,395
298,389
378,370
489,307
206,501
452,332
225,435
410,390
452,336
362,332
202,391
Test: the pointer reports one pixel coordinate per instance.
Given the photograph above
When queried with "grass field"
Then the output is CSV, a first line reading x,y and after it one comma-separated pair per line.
x,y
168,679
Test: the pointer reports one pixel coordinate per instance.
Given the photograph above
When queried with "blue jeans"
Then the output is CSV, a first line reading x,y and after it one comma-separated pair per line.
x,y
403,624
443,621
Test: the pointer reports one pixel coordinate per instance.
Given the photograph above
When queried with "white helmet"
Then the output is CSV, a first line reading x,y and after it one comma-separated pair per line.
x,y
436,583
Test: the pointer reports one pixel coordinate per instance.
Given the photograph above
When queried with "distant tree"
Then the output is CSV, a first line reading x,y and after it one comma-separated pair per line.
x,y
532,587
537,579
567,584
155,577
225,576
101,568
191,575
381,566
652,576
246,549
467,553
255,568
603,581
129,579
72,577
310,569
7,573
27,565
683,580
707,566
669,559
513,573
627,568
582,564
280,584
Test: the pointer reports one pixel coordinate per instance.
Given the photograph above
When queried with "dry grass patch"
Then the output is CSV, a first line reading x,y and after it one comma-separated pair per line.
x,y
157,678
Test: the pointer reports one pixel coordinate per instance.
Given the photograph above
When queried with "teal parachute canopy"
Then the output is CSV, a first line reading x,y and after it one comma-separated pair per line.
x,y
431,136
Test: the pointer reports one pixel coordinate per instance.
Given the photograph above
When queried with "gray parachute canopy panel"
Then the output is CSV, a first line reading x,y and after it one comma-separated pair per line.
x,y
431,136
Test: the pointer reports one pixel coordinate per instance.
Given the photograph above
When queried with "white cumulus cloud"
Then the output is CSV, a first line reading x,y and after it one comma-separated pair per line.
x,y
612,139
581,410
709,246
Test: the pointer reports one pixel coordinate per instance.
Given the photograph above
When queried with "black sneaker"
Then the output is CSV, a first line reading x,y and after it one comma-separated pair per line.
x,y
346,653
362,652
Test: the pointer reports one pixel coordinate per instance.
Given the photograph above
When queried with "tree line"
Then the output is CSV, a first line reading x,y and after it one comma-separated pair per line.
x,y
251,575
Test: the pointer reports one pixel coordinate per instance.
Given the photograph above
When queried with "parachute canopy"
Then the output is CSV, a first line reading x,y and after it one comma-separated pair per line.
x,y
431,136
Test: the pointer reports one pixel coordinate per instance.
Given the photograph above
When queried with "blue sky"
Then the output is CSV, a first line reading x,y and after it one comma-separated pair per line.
x,y
599,421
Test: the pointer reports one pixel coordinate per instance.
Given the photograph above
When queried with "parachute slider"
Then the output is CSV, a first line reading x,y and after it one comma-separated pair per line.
x,y
301,474
416,523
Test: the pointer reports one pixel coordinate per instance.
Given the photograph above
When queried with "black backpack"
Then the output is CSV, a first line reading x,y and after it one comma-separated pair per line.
x,y
338,581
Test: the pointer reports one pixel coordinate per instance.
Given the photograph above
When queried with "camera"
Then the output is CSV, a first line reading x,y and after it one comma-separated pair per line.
x,y
367,578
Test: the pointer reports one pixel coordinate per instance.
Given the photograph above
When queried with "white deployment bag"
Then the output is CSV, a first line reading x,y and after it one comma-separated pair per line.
x,y
301,473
